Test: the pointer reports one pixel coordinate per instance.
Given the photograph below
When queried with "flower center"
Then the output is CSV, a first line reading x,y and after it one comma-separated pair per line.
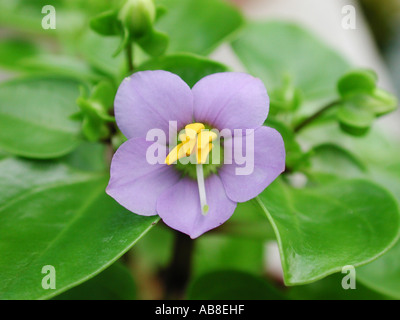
x,y
196,143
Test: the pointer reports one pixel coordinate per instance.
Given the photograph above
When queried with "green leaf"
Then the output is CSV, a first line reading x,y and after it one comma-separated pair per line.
x,y
154,43
53,215
333,160
34,117
232,285
104,93
106,23
383,275
322,229
191,68
358,81
287,98
99,52
382,102
273,51
59,65
362,101
295,157
353,119
114,283
88,156
202,26
12,51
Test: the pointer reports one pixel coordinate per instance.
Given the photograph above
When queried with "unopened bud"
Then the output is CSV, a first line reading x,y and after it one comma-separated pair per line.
x,y
138,16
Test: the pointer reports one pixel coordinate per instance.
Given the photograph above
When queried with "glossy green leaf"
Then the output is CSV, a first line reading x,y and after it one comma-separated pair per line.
x,y
380,152
321,229
53,215
202,24
232,285
34,117
88,156
114,283
273,51
383,275
191,68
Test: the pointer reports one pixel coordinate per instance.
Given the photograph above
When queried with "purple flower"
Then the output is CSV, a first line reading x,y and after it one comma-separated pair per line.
x,y
151,99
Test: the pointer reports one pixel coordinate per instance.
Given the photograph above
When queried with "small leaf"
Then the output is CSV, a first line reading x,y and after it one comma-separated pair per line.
x,y
382,102
106,23
354,119
154,43
358,81
104,92
295,157
287,98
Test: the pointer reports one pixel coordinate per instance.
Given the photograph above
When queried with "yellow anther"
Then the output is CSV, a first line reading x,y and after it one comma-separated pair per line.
x,y
182,137
205,137
189,146
175,154
196,127
193,134
202,153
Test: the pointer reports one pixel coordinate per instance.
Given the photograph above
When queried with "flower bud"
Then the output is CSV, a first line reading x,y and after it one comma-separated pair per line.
x,y
137,16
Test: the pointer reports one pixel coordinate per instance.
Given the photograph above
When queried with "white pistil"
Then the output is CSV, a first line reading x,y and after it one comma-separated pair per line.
x,y
202,189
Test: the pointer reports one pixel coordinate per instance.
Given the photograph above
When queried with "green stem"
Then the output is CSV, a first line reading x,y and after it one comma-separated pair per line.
x,y
129,57
315,116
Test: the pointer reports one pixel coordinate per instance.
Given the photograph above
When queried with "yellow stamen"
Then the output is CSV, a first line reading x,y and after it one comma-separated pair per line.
x,y
175,154
194,134
182,137
204,138
196,127
202,153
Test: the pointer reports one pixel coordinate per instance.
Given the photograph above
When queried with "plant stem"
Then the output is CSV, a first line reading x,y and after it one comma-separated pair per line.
x,y
178,272
129,57
315,116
